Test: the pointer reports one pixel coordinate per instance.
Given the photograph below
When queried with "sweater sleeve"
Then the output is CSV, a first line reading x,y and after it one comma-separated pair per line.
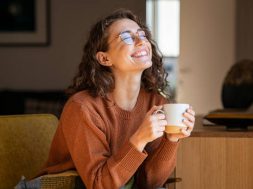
x,y
90,150
160,163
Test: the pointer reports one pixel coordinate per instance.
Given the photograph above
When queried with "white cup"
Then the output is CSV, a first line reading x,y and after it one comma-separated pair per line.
x,y
174,116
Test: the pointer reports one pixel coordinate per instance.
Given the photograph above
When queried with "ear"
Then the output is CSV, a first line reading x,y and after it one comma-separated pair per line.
x,y
103,59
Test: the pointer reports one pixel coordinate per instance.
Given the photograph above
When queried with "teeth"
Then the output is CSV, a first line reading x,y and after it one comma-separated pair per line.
x,y
140,53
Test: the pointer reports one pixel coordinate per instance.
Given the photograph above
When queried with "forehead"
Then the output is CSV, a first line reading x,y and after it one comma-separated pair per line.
x,y
123,25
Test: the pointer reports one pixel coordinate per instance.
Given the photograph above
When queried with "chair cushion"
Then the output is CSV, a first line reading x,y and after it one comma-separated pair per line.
x,y
66,180
24,145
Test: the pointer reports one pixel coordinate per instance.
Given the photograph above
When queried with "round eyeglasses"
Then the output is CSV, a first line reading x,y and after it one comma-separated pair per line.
x,y
129,37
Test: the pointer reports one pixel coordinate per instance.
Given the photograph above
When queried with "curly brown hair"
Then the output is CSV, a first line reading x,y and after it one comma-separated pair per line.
x,y
99,79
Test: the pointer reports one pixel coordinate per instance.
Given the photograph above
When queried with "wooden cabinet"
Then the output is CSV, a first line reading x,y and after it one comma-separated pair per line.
x,y
213,158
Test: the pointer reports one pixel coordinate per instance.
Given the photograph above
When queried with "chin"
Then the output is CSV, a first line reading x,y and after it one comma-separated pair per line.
x,y
147,63
144,62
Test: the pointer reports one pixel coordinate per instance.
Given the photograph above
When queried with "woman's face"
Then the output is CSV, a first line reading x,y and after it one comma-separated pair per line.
x,y
129,55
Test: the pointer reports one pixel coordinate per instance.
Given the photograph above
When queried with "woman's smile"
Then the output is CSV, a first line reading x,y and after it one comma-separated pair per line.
x,y
139,53
141,56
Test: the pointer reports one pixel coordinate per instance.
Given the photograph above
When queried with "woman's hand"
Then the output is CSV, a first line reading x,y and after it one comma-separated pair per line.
x,y
151,128
185,132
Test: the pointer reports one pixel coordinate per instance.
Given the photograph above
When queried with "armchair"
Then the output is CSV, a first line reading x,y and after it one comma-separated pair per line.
x,y
24,145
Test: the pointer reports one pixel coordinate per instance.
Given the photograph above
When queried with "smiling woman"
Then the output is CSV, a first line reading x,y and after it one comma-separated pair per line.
x,y
108,130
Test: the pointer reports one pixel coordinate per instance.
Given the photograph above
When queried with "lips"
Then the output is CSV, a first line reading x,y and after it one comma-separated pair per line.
x,y
139,53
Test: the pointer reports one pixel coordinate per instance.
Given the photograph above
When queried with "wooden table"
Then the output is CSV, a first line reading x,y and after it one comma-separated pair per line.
x,y
214,158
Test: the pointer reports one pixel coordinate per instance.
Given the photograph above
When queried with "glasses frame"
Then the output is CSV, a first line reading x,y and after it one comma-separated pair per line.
x,y
132,36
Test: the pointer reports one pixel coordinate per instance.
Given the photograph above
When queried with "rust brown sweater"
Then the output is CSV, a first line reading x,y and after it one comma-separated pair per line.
x,y
93,138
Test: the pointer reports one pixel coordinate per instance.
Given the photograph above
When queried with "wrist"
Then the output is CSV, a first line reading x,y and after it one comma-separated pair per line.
x,y
139,145
172,138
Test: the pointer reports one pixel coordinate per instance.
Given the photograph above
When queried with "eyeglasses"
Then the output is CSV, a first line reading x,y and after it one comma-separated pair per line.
x,y
129,37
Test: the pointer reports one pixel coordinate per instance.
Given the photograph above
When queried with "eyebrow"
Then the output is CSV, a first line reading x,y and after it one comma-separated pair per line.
x,y
128,31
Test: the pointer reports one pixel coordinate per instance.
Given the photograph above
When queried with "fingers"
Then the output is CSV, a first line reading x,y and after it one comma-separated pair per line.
x,y
190,118
189,124
157,131
153,109
191,111
159,116
157,135
158,124
190,114
161,125
186,132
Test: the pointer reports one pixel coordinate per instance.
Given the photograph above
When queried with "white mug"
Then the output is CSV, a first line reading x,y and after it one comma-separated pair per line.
x,y
174,116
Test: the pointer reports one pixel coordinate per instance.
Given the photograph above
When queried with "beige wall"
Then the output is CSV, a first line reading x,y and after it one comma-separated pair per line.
x,y
207,50
53,67
244,29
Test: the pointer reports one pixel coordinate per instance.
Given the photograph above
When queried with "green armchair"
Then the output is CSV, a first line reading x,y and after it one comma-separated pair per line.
x,y
24,145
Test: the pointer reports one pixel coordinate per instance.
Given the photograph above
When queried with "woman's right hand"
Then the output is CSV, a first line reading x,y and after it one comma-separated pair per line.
x,y
152,127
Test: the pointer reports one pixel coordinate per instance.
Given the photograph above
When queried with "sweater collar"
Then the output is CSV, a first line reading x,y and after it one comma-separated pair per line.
x,y
124,113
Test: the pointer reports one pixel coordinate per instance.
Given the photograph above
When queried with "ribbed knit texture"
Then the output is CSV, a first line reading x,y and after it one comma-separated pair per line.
x,y
93,138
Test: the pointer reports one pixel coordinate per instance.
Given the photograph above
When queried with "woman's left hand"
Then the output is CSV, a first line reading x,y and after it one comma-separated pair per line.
x,y
189,121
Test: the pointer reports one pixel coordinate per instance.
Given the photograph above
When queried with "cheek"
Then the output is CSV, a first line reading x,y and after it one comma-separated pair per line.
x,y
125,52
123,48
150,47
117,52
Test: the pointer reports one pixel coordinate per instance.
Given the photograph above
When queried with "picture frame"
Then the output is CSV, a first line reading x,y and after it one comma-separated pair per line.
x,y
34,32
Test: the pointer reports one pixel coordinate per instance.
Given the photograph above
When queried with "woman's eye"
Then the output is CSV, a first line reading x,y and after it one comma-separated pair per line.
x,y
127,37
142,34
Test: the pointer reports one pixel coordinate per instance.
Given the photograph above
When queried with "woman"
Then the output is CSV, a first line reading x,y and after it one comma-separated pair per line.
x,y
107,130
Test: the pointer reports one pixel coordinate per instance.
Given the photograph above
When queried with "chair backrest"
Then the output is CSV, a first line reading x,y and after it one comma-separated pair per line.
x,y
24,145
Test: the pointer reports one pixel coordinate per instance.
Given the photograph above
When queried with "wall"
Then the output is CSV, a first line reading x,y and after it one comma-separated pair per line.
x,y
207,50
53,67
244,29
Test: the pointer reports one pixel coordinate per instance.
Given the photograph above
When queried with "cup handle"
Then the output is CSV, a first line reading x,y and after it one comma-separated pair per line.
x,y
158,111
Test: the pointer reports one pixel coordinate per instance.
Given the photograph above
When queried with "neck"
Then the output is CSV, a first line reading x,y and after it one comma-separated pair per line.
x,y
126,92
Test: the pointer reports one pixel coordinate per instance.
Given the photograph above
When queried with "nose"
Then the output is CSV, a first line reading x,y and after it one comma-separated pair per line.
x,y
139,41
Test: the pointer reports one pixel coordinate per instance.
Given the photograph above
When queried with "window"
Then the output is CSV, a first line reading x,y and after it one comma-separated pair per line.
x,y
163,20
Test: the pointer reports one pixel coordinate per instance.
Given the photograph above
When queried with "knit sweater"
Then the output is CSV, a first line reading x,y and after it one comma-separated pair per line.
x,y
93,138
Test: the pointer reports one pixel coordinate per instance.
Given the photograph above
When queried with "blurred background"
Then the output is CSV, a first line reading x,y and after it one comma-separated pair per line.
x,y
200,40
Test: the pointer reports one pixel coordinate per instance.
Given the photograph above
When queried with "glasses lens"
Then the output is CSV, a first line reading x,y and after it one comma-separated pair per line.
x,y
127,38
142,35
